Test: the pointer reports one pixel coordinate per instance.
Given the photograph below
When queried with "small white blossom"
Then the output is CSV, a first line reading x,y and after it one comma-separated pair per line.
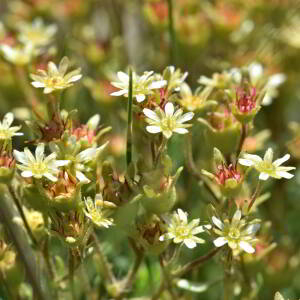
x,y
84,157
55,78
142,86
237,234
180,231
167,121
36,33
39,166
19,56
266,167
97,212
7,132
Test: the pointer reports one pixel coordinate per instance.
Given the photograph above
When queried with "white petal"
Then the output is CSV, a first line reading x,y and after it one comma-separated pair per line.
x,y
39,152
47,90
169,109
60,163
246,162
197,230
186,117
284,174
151,114
281,160
263,176
38,84
140,98
75,78
81,177
256,71
268,155
246,247
93,122
182,215
220,241
252,229
119,93
217,222
157,84
181,130
50,177
86,155
21,157
276,80
253,157
153,129
190,243
123,77
8,119
237,216
26,174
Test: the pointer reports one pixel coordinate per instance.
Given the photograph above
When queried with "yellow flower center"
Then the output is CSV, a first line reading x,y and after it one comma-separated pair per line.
x,y
266,167
38,168
36,36
168,123
56,81
234,233
5,134
182,231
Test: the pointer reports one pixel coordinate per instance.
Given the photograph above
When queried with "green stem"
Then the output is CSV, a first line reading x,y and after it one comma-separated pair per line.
x,y
196,263
105,265
161,149
27,256
71,273
129,121
254,196
167,278
21,212
242,139
191,167
172,32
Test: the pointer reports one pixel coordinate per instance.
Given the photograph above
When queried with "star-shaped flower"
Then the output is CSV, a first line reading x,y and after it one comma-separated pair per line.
x,y
19,56
7,132
180,231
142,86
39,166
97,211
55,78
36,33
167,121
266,167
238,234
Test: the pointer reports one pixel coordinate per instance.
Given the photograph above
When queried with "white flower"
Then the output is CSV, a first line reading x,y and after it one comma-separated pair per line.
x,y
266,167
175,78
97,213
39,166
84,157
36,33
141,85
55,78
238,234
273,83
167,121
7,132
17,55
180,231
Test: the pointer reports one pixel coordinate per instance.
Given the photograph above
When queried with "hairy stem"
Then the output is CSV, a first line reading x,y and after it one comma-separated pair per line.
x,y
27,256
196,263
191,167
129,122
172,34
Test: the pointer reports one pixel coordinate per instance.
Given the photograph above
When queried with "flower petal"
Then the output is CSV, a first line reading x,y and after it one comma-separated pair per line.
x,y
123,77
153,129
284,174
26,174
190,243
246,162
151,114
281,160
39,152
50,176
181,130
63,65
8,119
81,177
140,97
268,155
119,93
169,109
74,78
217,222
186,117
246,247
38,84
220,241
182,215
263,176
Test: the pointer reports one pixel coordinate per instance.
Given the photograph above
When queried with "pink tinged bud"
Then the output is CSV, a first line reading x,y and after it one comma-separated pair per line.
x,y
246,99
225,173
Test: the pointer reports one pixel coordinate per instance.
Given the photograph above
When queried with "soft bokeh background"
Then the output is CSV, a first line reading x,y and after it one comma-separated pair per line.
x,y
105,36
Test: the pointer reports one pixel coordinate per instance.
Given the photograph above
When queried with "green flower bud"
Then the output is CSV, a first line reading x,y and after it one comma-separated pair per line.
x,y
7,168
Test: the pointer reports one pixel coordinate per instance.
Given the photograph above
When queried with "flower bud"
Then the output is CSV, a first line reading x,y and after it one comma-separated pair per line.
x,y
7,168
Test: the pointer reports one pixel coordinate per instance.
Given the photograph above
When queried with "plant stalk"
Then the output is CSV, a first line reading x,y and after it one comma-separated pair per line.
x,y
129,122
